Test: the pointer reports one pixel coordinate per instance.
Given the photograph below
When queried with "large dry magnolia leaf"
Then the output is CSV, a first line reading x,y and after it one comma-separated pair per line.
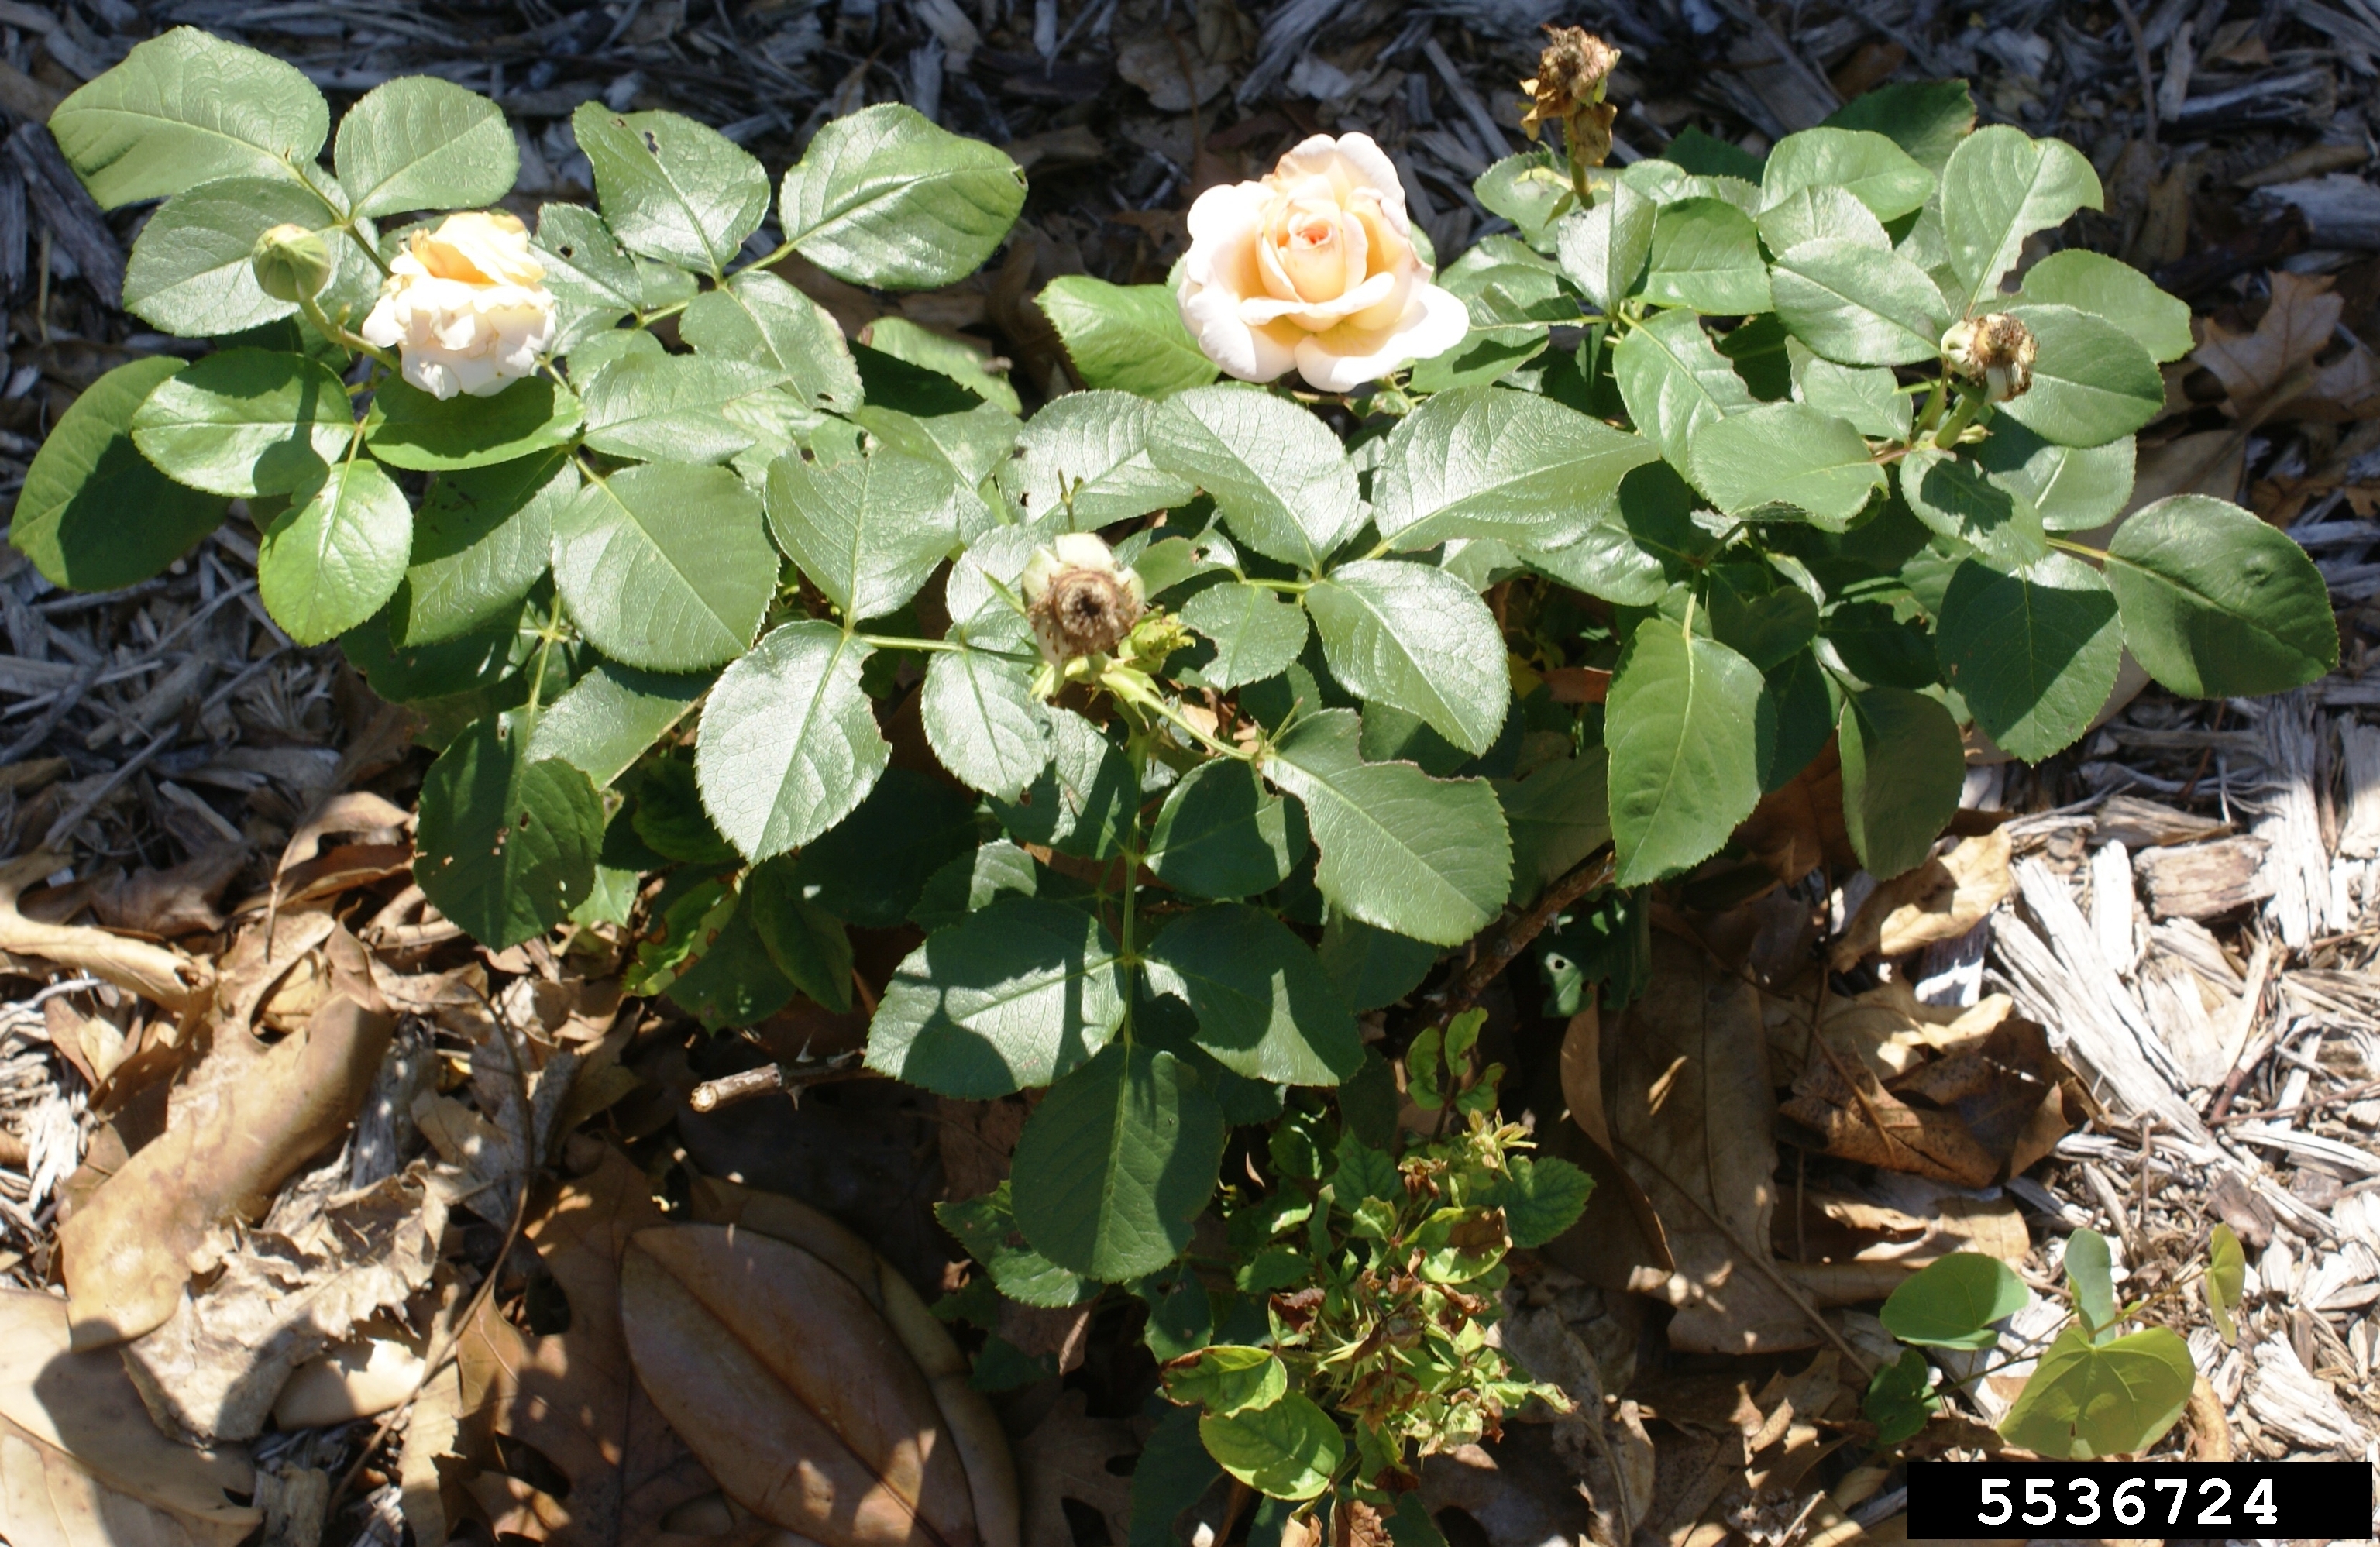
x,y
787,1383
153,971
572,1397
1692,1120
82,1465
128,1251
1940,900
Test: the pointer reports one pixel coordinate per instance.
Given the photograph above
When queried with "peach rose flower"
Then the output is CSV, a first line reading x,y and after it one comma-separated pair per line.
x,y
1313,267
467,306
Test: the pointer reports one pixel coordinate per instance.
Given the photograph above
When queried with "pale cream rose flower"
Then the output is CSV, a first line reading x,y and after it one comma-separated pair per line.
x,y
1313,267
466,306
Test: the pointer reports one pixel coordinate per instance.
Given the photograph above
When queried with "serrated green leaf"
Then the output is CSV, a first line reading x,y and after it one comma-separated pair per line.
x,y
1758,617
665,566
2092,381
1116,1162
507,845
1257,632
669,816
1085,801
409,428
190,270
871,868
330,561
1529,189
612,716
886,198
1999,187
1786,454
788,745
1277,473
670,188
94,514
1603,251
1673,382
2114,292
760,320
1799,706
1089,454
971,881
2035,650
980,714
183,109
1372,967
970,366
481,540
1266,1008
987,1227
2217,603
1541,1197
1957,500
1286,1451
1414,636
1809,213
1558,815
1866,165
1127,338
2083,1402
807,943
1903,767
1425,857
1679,721
1867,398
866,530
1926,118
1221,834
593,280
674,407
421,143
1173,1473
1483,462
1706,256
247,422
1857,306
1953,1301
1228,1378
2074,487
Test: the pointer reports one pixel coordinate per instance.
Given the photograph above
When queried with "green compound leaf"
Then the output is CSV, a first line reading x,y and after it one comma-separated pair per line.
x,y
1786,454
867,530
1125,338
1674,382
1528,190
788,744
409,427
594,280
987,1227
1865,164
2090,1273
2227,1280
2092,381
670,188
247,422
759,319
184,109
508,844
1999,187
1926,118
1903,767
666,566
1085,801
1415,637
2118,1398
1953,1301
422,144
806,942
481,540
1257,632
1961,501
1286,1451
1117,1162
886,198
1221,834
1228,1378
1483,462
1541,1197
1266,1008
1706,256
1422,856
94,514
980,713
330,561
1089,453
2218,604
189,272
1856,306
1900,1399
2035,650
612,715
690,409
2074,487
1679,722
1603,251
2115,291
1277,473
1013,995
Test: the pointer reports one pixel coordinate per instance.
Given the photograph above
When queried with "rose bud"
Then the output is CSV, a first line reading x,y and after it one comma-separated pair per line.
x,y
1996,349
1080,602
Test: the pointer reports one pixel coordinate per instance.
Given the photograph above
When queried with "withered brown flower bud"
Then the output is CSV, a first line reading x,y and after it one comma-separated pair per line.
x,y
1080,602
1996,349
1568,90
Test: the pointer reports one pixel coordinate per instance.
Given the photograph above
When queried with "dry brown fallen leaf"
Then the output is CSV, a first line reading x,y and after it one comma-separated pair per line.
x,y
1840,1099
1853,1251
785,1380
1798,826
164,903
128,1252
1940,900
82,1465
155,972
1692,1120
1618,1242
2277,369
1069,1455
